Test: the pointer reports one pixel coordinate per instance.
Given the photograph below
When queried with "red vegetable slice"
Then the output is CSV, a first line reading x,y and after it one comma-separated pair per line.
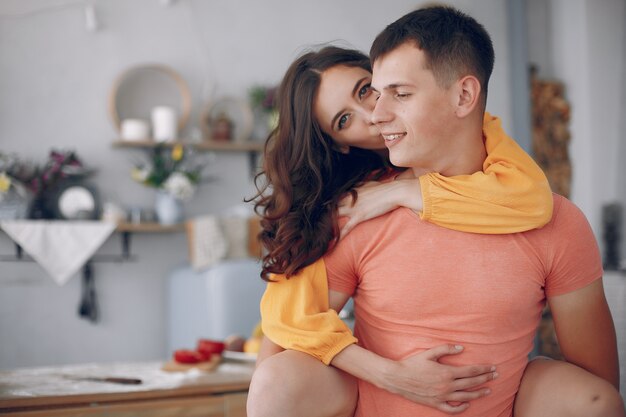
x,y
210,347
188,356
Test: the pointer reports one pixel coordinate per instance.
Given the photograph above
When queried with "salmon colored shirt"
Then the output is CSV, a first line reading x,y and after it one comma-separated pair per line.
x,y
510,195
416,286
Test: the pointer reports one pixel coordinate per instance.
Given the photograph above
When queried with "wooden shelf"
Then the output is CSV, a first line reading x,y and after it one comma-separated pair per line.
x,y
204,145
149,228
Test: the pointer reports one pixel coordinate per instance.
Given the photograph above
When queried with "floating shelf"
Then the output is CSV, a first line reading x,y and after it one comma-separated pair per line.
x,y
149,228
204,145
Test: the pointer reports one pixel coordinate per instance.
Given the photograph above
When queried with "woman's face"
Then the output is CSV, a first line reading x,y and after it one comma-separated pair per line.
x,y
343,107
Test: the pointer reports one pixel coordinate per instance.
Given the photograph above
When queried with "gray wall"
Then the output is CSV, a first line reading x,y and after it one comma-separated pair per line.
x,y
55,77
582,43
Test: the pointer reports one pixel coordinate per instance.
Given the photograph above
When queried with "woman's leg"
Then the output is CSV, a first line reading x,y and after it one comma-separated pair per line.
x,y
295,384
551,388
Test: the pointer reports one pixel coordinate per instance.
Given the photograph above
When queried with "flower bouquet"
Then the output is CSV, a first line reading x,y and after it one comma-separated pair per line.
x,y
175,175
15,191
171,171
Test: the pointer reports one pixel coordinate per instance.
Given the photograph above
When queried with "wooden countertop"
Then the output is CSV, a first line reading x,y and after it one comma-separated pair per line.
x,y
53,387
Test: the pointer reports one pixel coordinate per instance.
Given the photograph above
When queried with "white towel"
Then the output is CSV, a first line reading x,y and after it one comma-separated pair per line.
x,y
60,247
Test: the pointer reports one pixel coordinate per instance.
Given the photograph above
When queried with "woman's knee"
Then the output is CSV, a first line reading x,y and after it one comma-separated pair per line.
x,y
295,384
604,400
269,394
556,388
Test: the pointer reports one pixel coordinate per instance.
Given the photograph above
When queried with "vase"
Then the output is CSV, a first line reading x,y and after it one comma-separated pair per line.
x,y
14,206
169,209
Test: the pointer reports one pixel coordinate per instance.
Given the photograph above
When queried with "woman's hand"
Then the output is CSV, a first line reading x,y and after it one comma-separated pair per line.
x,y
420,378
377,198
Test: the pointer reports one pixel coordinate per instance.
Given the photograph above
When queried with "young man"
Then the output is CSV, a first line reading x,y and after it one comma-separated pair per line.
x,y
430,111
417,286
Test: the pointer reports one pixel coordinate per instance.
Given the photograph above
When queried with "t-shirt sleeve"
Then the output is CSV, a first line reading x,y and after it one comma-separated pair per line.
x,y
511,194
341,265
573,253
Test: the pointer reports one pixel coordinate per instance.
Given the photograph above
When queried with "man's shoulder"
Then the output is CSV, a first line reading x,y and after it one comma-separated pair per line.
x,y
566,217
396,216
564,208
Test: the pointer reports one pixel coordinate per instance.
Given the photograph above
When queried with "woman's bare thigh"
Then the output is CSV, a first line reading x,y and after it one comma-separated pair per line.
x,y
293,383
551,388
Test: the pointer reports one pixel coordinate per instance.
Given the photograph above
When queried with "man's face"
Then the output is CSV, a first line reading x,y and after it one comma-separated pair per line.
x,y
414,114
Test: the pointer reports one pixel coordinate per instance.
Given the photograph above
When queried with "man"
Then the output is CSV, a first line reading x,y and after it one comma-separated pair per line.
x,y
485,292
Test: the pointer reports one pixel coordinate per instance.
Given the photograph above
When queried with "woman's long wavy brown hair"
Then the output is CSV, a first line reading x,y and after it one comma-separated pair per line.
x,y
304,176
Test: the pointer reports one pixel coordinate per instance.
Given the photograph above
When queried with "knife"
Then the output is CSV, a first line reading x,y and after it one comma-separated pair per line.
x,y
112,380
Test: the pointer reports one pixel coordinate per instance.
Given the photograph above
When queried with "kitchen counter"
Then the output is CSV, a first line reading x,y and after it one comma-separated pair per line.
x,y
59,391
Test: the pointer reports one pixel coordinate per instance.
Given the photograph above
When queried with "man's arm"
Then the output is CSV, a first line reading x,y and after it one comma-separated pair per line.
x,y
419,378
584,328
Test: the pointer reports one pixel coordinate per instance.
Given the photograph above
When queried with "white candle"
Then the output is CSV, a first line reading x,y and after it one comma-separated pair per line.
x,y
164,124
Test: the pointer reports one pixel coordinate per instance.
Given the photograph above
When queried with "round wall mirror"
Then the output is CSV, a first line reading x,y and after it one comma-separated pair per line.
x,y
140,89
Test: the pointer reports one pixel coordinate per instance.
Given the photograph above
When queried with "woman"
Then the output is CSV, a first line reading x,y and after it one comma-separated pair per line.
x,y
313,159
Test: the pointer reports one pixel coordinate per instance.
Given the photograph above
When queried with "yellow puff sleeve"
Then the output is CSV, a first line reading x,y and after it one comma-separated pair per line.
x,y
295,314
510,195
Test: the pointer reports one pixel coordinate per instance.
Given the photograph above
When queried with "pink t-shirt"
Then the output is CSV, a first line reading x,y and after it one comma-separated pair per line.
x,y
417,285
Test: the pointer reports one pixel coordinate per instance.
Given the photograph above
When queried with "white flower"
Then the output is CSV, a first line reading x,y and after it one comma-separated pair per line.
x,y
179,186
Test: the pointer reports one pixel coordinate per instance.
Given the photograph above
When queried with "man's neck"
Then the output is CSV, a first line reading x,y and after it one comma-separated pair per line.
x,y
465,156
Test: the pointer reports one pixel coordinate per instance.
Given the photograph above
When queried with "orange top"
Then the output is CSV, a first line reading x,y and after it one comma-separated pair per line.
x,y
416,286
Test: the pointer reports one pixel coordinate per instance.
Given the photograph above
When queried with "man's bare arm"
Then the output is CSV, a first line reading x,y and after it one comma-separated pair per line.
x,y
585,331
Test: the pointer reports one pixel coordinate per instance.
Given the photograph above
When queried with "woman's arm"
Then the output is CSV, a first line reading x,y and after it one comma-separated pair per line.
x,y
295,314
267,349
510,195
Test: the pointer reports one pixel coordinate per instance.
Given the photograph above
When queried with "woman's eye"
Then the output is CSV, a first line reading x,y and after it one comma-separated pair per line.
x,y
365,90
402,95
342,121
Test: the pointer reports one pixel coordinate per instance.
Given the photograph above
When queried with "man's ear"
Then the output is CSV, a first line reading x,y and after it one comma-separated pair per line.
x,y
468,95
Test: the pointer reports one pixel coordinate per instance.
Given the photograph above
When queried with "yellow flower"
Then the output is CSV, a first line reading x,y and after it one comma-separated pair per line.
x,y
5,182
177,152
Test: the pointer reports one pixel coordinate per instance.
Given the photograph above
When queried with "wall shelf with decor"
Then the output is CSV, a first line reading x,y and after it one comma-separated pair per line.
x,y
252,148
150,106
203,146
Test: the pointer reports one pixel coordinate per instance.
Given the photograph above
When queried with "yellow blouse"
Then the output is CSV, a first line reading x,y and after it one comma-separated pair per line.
x,y
510,195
